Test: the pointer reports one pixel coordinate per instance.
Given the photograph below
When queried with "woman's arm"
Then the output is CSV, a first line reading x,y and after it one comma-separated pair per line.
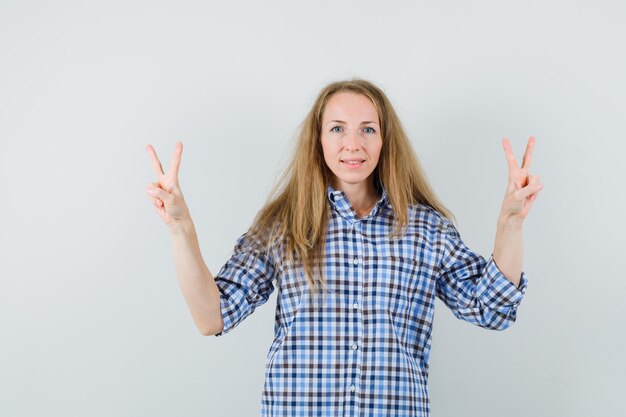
x,y
507,251
522,190
199,288
196,281
473,287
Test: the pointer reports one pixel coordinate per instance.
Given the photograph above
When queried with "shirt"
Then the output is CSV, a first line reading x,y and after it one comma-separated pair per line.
x,y
364,351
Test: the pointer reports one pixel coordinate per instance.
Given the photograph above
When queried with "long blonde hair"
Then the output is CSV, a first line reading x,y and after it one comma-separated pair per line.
x,y
295,215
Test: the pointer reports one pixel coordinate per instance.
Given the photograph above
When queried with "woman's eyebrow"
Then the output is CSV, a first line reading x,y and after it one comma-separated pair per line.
x,y
341,121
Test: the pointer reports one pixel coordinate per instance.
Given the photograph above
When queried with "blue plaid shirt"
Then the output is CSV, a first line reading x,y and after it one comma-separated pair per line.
x,y
364,350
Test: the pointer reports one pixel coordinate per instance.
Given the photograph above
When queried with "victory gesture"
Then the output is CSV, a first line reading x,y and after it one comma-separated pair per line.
x,y
165,194
522,188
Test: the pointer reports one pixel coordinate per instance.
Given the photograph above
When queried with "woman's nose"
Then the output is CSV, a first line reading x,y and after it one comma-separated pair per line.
x,y
353,139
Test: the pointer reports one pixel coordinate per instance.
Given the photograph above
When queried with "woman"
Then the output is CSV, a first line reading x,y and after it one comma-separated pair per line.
x,y
354,221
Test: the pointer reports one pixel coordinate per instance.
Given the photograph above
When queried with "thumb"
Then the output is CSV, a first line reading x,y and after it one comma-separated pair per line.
x,y
172,187
533,187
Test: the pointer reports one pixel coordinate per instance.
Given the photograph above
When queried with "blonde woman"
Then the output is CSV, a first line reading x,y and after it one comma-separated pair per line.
x,y
359,246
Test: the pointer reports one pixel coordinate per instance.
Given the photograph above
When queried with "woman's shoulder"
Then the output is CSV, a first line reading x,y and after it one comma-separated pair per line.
x,y
259,238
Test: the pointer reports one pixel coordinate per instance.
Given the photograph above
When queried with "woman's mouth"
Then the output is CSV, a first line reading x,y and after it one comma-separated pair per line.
x,y
353,164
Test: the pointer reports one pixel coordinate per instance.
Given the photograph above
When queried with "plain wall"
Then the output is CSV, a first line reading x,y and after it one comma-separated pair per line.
x,y
92,320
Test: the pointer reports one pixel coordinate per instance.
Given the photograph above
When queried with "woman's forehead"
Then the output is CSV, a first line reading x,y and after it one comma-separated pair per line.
x,y
350,107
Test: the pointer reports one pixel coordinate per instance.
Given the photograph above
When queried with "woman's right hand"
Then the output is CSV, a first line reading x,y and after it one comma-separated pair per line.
x,y
165,194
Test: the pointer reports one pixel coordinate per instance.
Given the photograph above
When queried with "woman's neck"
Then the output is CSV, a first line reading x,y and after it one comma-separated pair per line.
x,y
362,197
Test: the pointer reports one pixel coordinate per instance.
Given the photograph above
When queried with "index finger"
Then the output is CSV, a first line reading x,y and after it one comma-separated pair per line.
x,y
156,164
528,154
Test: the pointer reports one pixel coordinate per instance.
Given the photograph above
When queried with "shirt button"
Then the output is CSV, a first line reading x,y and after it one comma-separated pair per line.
x,y
352,388
356,261
355,306
355,346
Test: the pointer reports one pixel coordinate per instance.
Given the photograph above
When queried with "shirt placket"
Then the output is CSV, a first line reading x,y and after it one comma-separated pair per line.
x,y
355,306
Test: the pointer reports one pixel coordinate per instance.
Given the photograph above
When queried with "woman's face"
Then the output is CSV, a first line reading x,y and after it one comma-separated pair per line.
x,y
351,139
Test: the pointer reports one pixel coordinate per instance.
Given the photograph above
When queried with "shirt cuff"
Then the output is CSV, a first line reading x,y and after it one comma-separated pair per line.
x,y
227,316
497,291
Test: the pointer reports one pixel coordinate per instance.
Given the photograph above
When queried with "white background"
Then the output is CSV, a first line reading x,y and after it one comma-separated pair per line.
x,y
92,321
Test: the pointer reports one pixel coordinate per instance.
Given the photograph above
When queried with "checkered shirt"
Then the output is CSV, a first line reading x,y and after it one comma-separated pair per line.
x,y
363,351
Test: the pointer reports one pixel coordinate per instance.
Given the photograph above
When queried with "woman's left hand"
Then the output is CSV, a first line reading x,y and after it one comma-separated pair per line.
x,y
522,188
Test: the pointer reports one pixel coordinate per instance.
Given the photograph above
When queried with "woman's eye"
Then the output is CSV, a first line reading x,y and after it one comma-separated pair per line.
x,y
332,129
371,130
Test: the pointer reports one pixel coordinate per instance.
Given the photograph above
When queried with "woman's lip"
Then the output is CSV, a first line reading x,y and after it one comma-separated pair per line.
x,y
353,166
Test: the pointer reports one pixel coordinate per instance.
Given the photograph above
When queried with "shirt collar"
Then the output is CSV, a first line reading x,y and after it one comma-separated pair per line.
x,y
339,201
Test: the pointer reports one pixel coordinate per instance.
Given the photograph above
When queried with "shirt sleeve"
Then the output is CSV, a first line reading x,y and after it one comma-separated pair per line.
x,y
473,287
244,282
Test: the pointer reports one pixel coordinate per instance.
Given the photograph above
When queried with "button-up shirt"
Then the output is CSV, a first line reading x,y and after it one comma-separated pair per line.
x,y
363,349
